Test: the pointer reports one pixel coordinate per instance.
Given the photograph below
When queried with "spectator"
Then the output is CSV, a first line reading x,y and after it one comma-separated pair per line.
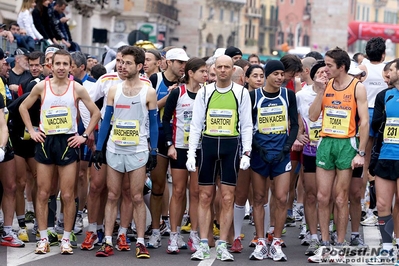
x,y
60,24
20,72
25,20
5,33
41,20
97,71
24,41
90,63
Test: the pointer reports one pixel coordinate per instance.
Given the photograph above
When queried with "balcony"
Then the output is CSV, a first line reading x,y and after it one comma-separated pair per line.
x,y
307,11
168,11
253,12
269,25
380,3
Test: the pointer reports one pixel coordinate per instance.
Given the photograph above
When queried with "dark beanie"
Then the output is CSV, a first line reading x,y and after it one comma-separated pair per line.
x,y
315,67
232,51
273,65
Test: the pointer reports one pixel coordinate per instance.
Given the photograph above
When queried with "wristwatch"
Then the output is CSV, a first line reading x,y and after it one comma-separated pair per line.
x,y
169,143
85,136
361,153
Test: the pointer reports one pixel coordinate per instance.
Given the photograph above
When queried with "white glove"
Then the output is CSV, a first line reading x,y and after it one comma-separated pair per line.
x,y
244,163
190,164
1,154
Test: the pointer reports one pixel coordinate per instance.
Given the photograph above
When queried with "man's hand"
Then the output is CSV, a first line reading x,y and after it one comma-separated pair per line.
x,y
320,84
152,161
13,87
190,164
281,156
37,136
297,146
64,19
303,139
358,161
171,88
172,152
98,159
76,141
245,162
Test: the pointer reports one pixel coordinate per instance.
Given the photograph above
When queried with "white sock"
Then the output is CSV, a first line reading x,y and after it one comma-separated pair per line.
x,y
100,227
92,227
239,214
387,246
29,206
314,236
66,235
43,234
140,240
266,220
122,230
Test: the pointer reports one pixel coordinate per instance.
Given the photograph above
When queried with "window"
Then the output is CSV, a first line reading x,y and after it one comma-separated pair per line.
x,y
305,41
376,15
232,16
221,14
292,2
200,13
290,39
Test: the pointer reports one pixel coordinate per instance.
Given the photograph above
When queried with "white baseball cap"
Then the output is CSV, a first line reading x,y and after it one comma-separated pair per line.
x,y
177,54
354,70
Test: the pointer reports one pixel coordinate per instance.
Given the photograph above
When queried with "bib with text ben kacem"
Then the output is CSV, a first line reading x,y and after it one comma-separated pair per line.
x,y
57,120
126,132
391,134
336,121
272,120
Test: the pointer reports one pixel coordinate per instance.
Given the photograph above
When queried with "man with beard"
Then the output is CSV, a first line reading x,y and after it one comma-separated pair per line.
x,y
20,73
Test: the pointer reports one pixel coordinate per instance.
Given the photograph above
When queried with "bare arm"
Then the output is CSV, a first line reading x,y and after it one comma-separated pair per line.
x,y
3,129
362,110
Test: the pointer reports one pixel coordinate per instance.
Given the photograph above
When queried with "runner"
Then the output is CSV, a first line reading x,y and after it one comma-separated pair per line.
x,y
57,142
224,107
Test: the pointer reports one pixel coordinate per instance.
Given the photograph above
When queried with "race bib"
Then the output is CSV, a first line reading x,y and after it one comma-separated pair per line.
x,y
126,132
220,122
391,130
314,132
57,120
272,120
187,116
336,121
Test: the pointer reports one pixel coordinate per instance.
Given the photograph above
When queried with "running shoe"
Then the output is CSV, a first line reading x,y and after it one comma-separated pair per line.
x,y
78,224
334,237
164,228
42,246
253,242
23,235
358,243
100,235
180,242
237,246
222,253
148,232
121,243
276,253
90,240
173,248
370,221
290,221
106,250
298,213
52,238
303,231
201,253
59,228
306,240
313,246
29,217
154,241
73,240
66,247
320,255
141,251
193,242
384,257
35,229
185,229
11,240
260,252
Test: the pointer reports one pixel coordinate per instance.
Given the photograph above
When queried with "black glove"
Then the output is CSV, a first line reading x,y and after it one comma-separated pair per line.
x,y
281,156
98,159
152,162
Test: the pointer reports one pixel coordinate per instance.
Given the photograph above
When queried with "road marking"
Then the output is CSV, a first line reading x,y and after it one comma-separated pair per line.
x,y
19,256
371,236
209,261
